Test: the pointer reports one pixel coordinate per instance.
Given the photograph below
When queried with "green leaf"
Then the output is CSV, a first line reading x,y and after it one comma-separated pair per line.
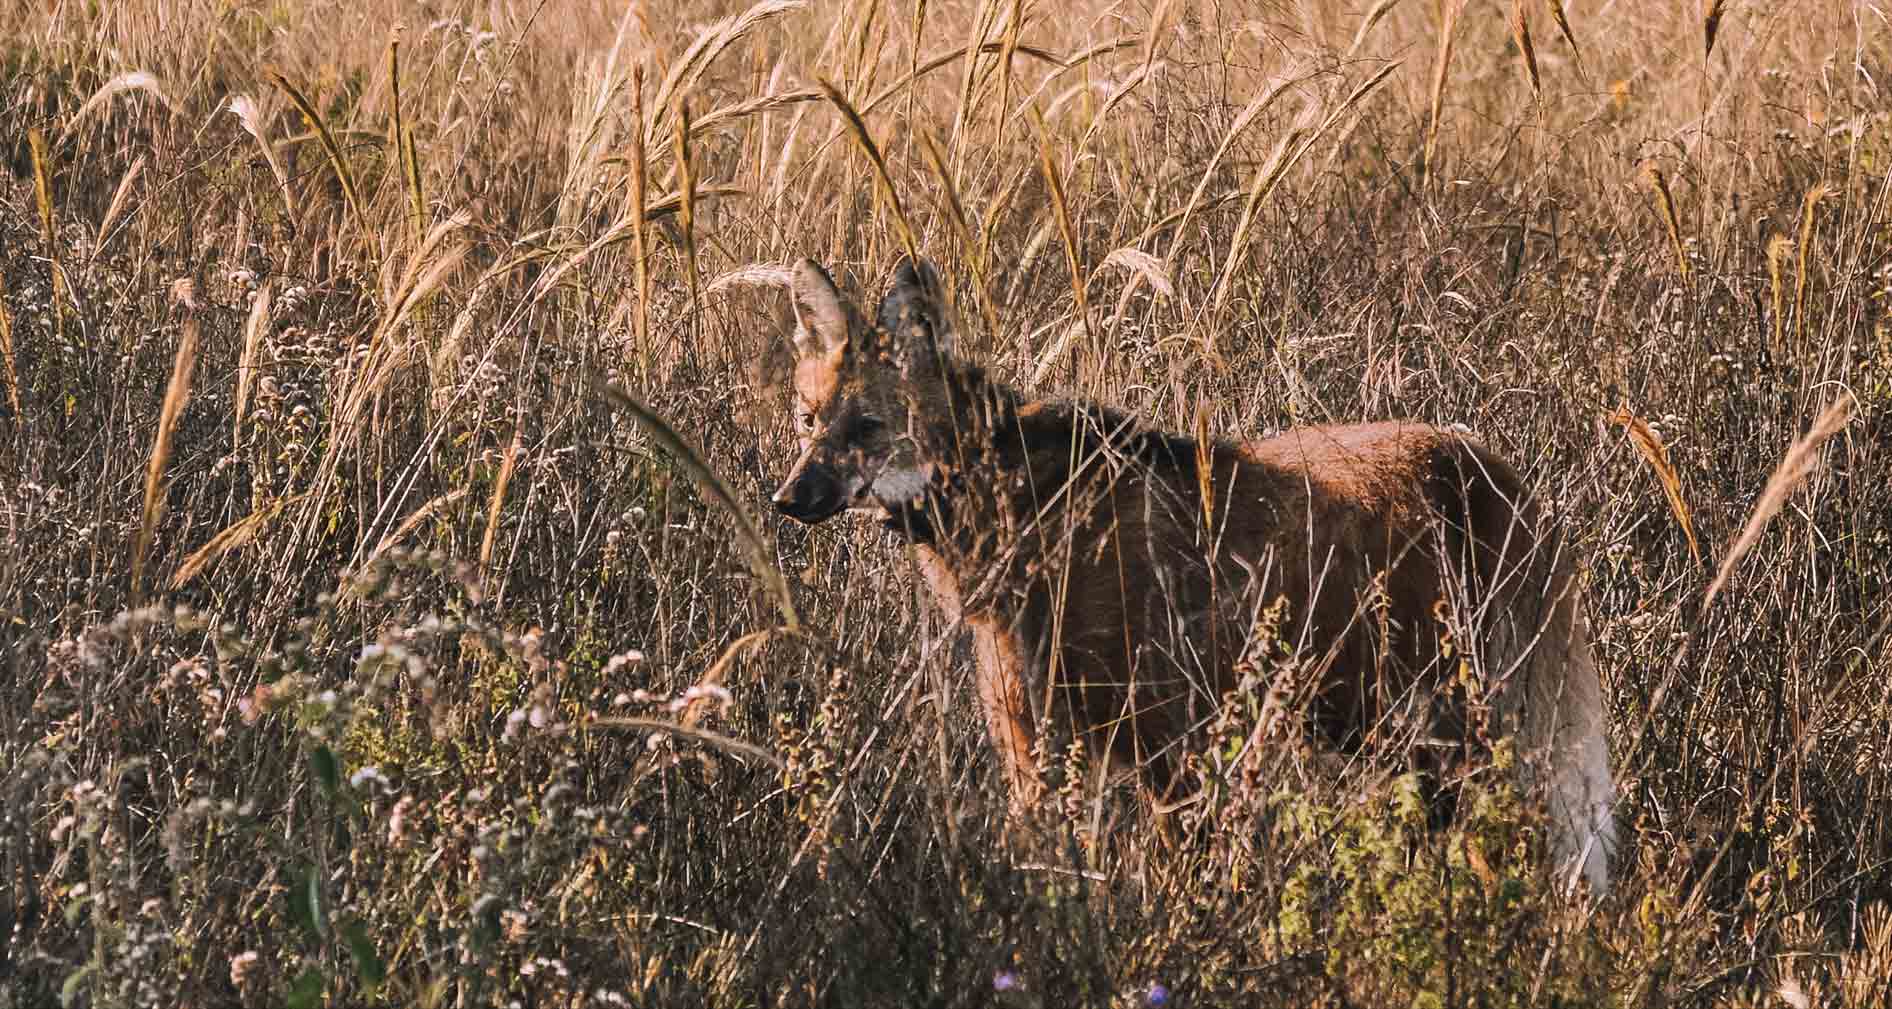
x,y
305,992
69,992
368,965
328,770
306,905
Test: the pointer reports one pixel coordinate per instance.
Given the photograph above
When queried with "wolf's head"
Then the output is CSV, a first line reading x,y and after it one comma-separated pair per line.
x,y
858,386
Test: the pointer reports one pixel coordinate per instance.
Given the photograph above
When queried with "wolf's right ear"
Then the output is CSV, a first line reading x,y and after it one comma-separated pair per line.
x,y
823,318
914,313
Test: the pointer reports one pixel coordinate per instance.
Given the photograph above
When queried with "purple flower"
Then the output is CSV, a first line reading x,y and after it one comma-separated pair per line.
x,y
1004,980
1159,995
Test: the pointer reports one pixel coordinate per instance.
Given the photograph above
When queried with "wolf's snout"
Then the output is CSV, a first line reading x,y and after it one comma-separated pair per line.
x,y
810,495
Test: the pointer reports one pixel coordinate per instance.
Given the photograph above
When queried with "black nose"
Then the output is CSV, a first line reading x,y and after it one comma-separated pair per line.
x,y
810,496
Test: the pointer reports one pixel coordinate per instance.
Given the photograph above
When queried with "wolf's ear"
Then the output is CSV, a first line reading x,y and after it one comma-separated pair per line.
x,y
915,316
823,318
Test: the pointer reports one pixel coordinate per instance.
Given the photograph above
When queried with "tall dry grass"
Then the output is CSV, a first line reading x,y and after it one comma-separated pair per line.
x,y
382,658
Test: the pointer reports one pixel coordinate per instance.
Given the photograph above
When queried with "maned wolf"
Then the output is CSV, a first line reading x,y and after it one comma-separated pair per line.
x,y
1112,576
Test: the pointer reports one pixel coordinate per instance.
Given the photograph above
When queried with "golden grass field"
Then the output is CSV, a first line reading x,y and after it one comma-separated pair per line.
x,y
362,648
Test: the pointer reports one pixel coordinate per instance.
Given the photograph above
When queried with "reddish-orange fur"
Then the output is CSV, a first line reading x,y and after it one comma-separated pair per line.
x,y
1111,575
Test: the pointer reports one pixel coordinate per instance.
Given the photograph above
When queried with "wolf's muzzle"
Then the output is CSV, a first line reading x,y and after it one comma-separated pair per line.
x,y
811,494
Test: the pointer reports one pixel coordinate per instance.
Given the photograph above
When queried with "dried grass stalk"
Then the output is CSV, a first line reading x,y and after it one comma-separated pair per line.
x,y
1711,24
337,160
1777,248
499,495
1794,469
1671,222
237,534
956,216
1367,24
176,393
717,488
6,357
1803,262
253,329
1449,10
1067,230
1527,52
403,140
120,197
883,180
640,241
1656,454
713,42
408,524
686,191
43,200
1563,28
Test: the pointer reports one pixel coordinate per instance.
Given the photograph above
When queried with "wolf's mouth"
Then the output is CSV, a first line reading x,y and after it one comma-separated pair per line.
x,y
907,503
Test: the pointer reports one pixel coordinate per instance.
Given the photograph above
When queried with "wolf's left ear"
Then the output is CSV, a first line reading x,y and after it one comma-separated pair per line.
x,y
823,318
915,315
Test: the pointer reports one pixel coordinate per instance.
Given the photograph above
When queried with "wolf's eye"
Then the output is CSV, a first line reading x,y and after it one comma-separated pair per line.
x,y
805,421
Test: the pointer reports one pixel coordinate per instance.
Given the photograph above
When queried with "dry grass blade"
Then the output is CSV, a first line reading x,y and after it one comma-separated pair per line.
x,y
686,192
499,496
672,203
43,201
403,139
1117,95
640,242
6,356
694,706
716,739
754,106
136,80
1777,283
253,330
883,180
183,365
1258,190
251,116
708,46
1293,146
1527,52
1205,466
752,276
120,197
338,161
1013,24
1712,10
408,524
1062,65
1242,119
1143,267
981,25
426,270
1671,221
1449,11
1155,28
1804,259
1061,209
1147,267
1563,28
237,534
1367,24
1656,454
956,216
1793,470
692,461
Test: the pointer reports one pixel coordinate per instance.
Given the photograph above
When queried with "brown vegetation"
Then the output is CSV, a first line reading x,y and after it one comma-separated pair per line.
x,y
358,647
